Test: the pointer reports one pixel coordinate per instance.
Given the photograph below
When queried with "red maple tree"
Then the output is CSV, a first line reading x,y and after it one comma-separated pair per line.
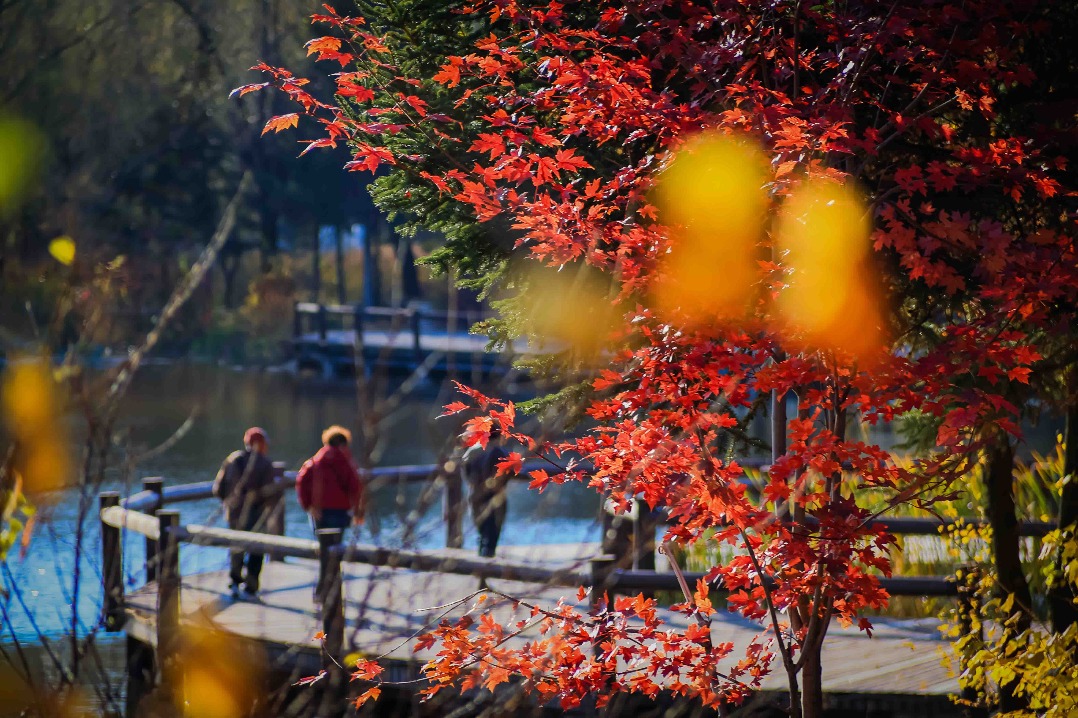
x,y
581,109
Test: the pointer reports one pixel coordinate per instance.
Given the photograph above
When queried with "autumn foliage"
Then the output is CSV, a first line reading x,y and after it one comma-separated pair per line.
x,y
781,198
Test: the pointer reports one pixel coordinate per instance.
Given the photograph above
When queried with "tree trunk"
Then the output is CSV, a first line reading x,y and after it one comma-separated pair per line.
x,y
1061,597
812,683
230,264
372,284
1005,548
409,277
270,237
342,291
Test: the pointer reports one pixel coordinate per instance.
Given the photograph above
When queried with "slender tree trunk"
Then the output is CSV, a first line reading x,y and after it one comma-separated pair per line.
x,y
342,291
1005,548
229,267
812,683
372,281
409,277
1061,598
270,237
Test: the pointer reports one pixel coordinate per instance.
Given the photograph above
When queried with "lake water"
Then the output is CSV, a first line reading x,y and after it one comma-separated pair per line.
x,y
224,402
220,403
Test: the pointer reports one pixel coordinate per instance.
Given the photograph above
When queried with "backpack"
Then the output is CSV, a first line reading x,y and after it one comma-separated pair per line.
x,y
235,466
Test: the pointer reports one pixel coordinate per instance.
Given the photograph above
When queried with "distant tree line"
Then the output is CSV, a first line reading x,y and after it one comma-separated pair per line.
x,y
142,146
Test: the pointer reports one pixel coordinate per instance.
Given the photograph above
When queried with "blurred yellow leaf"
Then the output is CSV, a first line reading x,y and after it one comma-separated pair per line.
x,y
223,674
30,408
713,199
832,297
570,307
46,466
21,149
28,397
63,249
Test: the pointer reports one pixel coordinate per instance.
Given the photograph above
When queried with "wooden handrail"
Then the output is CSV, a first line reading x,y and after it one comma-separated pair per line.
x,y
630,580
447,560
403,313
130,514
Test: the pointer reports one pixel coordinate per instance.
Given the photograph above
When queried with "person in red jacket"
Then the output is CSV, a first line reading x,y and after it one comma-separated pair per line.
x,y
328,484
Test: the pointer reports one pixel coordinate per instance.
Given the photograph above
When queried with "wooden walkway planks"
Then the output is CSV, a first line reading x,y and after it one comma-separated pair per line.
x,y
386,607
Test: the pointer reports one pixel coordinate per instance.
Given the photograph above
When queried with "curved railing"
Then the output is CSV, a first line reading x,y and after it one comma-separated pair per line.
x,y
144,513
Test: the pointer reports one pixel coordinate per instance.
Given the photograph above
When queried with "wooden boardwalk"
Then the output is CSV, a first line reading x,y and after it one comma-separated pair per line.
x,y
385,608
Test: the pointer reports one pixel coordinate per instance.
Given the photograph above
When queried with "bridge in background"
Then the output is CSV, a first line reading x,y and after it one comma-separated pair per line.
x,y
337,340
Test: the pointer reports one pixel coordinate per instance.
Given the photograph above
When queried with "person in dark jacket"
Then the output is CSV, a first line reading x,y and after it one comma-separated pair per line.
x,y
479,467
246,486
328,484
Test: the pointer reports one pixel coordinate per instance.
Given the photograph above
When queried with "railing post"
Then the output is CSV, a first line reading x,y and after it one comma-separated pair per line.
x,y
330,591
140,677
454,506
617,538
157,485
647,522
168,603
357,323
275,512
417,350
111,566
602,573
322,323
297,321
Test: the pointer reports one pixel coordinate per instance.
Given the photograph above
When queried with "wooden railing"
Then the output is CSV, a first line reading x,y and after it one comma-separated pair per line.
x,y
144,513
316,318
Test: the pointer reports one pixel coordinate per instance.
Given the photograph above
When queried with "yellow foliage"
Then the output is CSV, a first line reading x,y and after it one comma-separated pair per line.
x,y
31,409
62,249
832,296
223,675
570,307
713,198
21,146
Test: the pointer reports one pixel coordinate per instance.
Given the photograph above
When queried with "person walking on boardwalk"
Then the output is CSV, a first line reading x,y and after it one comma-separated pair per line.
x,y
329,487
328,484
479,467
246,486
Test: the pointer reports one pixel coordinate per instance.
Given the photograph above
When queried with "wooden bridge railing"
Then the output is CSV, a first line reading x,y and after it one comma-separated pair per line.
x,y
144,514
316,318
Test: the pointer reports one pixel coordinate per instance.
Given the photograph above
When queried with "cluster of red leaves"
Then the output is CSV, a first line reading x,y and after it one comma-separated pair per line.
x,y
579,117
567,653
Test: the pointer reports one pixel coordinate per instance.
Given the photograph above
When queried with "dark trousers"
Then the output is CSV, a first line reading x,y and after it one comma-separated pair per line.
x,y
490,528
331,519
246,521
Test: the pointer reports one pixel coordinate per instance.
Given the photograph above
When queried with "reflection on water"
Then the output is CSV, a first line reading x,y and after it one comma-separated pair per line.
x,y
227,402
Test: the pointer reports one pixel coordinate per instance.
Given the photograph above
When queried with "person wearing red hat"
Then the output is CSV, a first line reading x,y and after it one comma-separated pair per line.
x,y
245,484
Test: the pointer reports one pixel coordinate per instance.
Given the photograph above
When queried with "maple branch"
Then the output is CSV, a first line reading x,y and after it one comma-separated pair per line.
x,y
930,111
448,607
784,650
797,50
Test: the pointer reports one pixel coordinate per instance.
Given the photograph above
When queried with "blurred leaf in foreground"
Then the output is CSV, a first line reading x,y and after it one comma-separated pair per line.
x,y
832,297
569,308
30,407
223,674
713,198
62,250
21,151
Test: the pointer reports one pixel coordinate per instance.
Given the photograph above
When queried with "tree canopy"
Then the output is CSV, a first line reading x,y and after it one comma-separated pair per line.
x,y
824,201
